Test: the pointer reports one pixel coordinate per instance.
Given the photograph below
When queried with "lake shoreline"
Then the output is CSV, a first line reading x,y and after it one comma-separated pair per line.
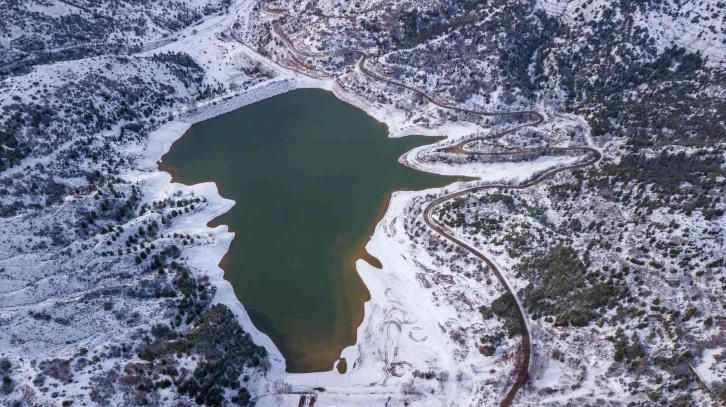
x,y
312,177
161,140
208,260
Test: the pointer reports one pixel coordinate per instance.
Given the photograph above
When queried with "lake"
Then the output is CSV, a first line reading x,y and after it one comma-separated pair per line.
x,y
311,176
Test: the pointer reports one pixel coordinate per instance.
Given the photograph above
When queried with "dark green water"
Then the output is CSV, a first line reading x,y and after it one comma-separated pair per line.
x,y
310,175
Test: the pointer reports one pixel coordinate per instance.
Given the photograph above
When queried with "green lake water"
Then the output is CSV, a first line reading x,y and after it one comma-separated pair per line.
x,y
311,176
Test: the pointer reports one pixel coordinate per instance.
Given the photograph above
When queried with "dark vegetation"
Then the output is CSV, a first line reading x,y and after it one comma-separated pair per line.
x,y
560,286
609,67
182,66
681,182
668,172
666,110
224,350
452,215
189,328
208,334
12,152
8,384
505,308
30,127
58,369
415,26
227,350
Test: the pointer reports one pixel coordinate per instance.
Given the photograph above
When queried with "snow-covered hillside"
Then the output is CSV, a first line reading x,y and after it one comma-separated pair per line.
x,y
41,31
695,25
110,289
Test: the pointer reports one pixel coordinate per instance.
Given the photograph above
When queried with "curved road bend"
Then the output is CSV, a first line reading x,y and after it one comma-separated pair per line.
x,y
523,374
458,148
361,65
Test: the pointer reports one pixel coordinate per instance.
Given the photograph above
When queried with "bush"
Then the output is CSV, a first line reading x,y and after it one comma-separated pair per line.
x,y
505,307
486,312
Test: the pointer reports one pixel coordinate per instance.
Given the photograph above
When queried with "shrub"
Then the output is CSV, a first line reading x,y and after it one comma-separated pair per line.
x,y
505,307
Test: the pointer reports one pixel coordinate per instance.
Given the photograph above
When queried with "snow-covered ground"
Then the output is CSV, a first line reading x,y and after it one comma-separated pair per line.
x,y
696,25
402,328
422,316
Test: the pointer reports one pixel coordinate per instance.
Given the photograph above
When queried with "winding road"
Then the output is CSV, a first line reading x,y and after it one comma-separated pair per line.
x,y
523,374
459,148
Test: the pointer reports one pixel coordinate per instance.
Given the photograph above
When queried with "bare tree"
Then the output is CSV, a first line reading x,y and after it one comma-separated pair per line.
x,y
407,387
282,387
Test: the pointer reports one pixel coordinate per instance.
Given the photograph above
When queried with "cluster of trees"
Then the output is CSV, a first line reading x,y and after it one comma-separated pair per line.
x,y
195,297
225,353
667,172
505,308
415,26
609,67
186,15
627,349
74,109
113,208
452,213
227,350
182,66
8,384
13,150
681,181
209,334
561,287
